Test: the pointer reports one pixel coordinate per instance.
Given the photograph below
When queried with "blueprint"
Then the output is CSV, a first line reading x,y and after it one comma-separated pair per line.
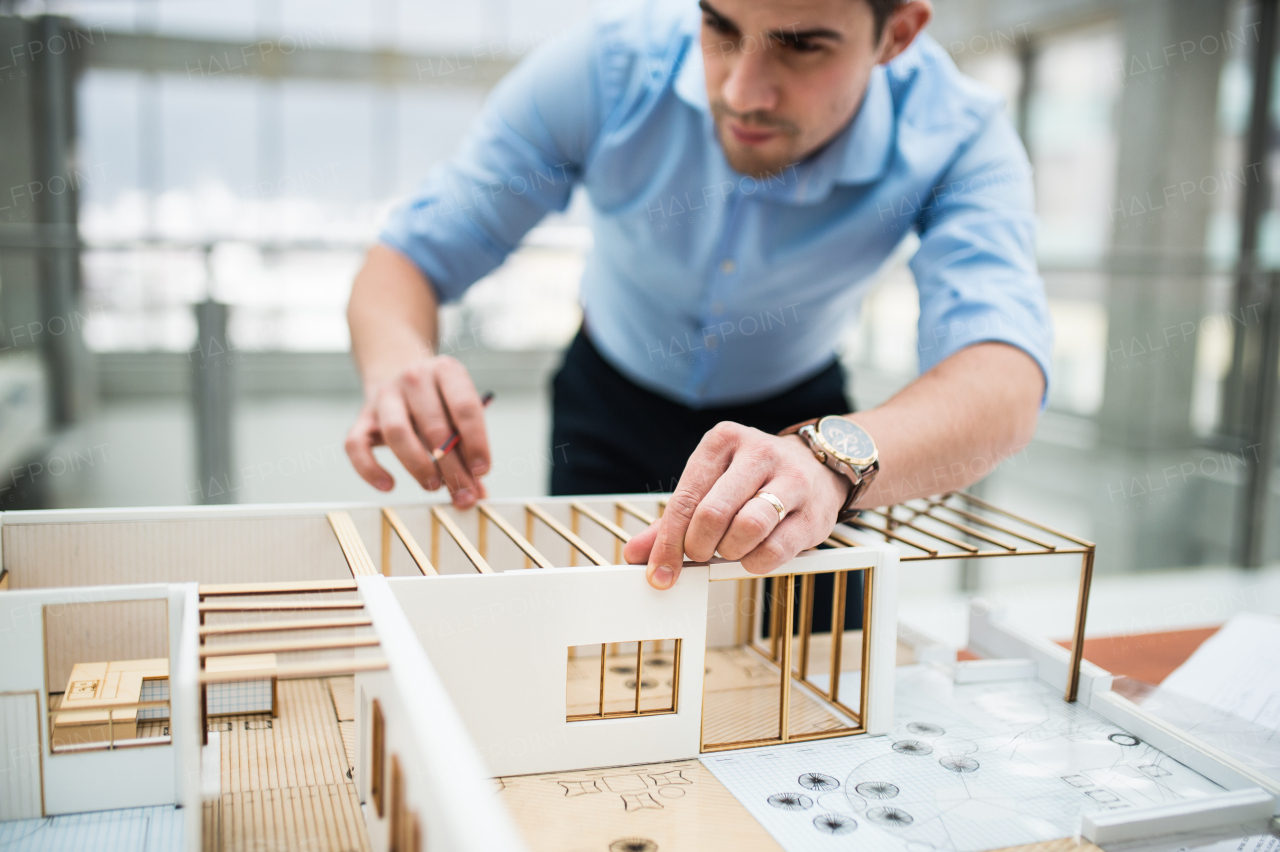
x,y
1236,671
966,767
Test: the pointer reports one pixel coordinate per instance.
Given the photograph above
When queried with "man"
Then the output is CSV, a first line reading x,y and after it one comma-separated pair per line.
x,y
749,164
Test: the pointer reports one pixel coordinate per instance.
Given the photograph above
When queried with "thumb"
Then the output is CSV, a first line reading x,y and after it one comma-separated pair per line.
x,y
636,551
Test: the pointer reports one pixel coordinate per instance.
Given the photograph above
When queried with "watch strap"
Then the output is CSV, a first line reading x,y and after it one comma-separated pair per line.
x,y
859,480
847,512
796,427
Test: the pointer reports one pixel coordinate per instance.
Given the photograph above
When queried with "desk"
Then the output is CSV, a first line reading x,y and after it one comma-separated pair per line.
x,y
104,685
1148,657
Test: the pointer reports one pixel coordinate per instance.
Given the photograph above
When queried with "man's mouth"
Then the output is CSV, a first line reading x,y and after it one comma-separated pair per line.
x,y
746,134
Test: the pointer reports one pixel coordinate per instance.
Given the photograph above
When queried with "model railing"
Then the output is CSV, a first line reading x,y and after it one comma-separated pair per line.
x,y
85,729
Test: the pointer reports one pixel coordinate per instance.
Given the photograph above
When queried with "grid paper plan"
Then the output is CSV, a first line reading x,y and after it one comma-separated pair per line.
x,y
966,767
154,829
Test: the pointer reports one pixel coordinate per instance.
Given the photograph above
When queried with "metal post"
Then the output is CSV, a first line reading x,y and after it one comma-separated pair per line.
x,y
1249,398
1238,408
1255,497
53,135
212,389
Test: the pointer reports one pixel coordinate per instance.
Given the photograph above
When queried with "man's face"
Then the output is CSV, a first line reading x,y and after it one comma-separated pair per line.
x,y
784,76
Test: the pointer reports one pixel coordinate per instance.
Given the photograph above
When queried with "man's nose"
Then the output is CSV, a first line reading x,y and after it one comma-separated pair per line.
x,y
750,86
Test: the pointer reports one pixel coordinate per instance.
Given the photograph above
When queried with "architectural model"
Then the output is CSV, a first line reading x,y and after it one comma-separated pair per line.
x,y
256,677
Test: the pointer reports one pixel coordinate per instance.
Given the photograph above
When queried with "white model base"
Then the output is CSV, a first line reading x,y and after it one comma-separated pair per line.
x,y
1236,809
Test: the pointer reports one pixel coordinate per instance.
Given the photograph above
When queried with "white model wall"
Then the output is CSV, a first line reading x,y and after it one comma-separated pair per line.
x,y
240,544
446,784
500,646
20,794
233,544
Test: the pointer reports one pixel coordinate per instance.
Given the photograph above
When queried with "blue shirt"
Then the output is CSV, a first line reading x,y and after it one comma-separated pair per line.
x,y
711,287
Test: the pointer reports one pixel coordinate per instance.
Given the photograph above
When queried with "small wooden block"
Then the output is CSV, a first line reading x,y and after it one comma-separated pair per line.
x,y
246,694
241,663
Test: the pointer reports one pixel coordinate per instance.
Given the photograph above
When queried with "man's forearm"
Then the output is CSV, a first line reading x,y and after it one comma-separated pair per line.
x,y
954,424
412,400
392,315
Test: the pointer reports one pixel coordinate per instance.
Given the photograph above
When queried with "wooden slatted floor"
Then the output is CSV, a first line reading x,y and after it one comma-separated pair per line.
x,y
300,748
286,782
343,690
315,819
740,698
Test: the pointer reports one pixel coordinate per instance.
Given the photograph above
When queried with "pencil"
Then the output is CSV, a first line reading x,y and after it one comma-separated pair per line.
x,y
447,447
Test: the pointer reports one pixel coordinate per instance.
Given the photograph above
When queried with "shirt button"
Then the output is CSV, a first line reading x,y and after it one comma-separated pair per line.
x,y
711,343
717,308
727,266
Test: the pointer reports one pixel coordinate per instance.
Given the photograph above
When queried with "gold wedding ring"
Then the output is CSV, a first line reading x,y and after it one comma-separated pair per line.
x,y
774,502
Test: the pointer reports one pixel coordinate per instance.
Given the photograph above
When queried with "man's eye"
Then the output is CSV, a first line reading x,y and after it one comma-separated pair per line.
x,y
717,24
802,46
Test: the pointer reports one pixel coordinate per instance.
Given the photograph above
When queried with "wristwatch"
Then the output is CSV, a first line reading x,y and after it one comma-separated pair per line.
x,y
846,448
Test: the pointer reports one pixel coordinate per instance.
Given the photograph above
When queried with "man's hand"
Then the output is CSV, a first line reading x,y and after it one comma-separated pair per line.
x,y
715,508
413,400
944,431
415,411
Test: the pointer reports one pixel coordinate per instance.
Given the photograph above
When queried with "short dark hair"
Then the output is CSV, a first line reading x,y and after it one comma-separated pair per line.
x,y
881,10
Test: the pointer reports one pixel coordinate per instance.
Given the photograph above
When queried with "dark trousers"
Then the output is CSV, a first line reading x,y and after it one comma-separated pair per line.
x,y
611,436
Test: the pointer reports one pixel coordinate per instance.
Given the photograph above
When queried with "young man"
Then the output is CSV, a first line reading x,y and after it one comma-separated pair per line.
x,y
750,164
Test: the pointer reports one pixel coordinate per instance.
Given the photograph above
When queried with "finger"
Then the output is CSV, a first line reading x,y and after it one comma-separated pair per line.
x,y
788,538
359,445
704,467
758,518
401,436
467,413
728,497
432,421
637,549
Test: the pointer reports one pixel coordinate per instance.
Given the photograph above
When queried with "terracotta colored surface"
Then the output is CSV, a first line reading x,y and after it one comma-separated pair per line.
x,y
1148,657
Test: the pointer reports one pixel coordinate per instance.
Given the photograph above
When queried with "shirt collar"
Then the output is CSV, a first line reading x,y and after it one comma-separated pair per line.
x,y
859,154
691,80
868,141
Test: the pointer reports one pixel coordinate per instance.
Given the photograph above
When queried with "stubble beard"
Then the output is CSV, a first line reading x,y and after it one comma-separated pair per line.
x,y
750,162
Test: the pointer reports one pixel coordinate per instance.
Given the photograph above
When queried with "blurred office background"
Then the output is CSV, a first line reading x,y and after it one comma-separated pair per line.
x,y
188,188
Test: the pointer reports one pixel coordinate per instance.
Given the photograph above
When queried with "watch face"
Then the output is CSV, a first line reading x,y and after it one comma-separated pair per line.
x,y
848,439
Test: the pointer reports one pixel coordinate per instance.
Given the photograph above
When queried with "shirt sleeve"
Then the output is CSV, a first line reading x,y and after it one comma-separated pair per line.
x,y
975,268
519,162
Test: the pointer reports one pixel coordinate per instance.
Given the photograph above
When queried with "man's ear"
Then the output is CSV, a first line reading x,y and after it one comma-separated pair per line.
x,y
902,27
